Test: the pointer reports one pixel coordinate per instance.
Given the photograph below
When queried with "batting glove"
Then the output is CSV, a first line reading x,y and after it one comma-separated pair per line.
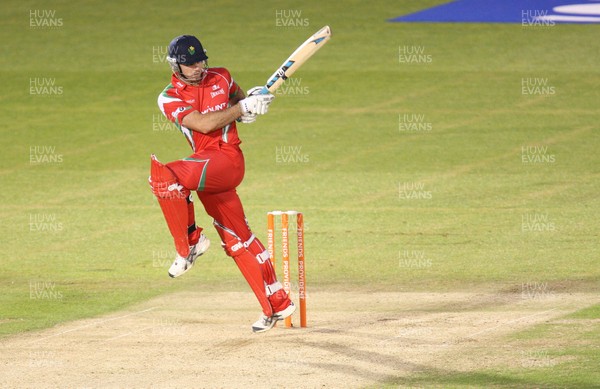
x,y
257,104
248,118
254,91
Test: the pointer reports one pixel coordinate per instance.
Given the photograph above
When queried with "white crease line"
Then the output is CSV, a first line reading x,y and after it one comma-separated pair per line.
x,y
93,324
130,333
508,322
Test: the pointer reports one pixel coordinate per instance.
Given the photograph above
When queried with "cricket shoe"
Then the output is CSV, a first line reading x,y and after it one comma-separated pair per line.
x,y
286,312
265,323
182,265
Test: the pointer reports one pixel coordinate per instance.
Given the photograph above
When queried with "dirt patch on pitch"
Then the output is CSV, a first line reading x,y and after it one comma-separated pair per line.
x,y
355,339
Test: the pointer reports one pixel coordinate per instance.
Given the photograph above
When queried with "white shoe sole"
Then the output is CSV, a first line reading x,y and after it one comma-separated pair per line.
x,y
200,248
286,312
258,330
172,275
275,318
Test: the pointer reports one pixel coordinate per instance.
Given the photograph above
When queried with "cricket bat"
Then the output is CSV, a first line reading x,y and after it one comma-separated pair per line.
x,y
298,57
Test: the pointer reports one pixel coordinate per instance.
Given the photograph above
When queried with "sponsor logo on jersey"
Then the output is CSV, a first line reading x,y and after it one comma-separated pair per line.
x,y
217,107
217,92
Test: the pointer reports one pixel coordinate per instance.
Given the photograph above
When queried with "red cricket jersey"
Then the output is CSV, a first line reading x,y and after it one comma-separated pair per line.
x,y
179,99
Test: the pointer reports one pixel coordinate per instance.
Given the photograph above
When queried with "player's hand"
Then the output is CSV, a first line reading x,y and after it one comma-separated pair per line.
x,y
257,104
248,118
254,91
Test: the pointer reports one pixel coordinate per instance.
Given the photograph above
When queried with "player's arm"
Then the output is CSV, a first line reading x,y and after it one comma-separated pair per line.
x,y
237,97
212,121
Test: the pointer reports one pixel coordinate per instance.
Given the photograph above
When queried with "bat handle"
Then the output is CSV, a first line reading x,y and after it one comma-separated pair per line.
x,y
263,91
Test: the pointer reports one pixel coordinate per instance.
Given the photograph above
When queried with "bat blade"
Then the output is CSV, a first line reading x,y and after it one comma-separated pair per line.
x,y
298,57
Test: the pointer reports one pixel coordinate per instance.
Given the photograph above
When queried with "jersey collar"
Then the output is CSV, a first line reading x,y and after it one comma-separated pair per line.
x,y
178,84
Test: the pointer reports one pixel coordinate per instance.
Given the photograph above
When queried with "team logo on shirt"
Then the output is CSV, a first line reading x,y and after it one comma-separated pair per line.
x,y
220,91
176,113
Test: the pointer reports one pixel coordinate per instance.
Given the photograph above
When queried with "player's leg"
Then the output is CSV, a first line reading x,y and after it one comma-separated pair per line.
x,y
198,242
176,203
250,256
216,174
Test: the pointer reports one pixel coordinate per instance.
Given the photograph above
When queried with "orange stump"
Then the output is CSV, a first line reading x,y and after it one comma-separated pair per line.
x,y
285,254
285,257
271,237
301,269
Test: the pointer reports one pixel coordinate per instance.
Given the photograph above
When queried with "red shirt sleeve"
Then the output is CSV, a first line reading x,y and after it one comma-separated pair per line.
x,y
172,106
233,90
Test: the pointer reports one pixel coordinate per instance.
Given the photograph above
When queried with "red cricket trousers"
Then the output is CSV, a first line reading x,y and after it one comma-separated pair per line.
x,y
214,174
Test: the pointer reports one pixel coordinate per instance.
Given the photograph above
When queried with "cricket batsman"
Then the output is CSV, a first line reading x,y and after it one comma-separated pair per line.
x,y
205,103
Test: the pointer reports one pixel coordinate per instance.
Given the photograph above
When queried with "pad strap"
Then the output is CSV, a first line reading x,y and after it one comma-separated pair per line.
x,y
273,288
263,257
249,241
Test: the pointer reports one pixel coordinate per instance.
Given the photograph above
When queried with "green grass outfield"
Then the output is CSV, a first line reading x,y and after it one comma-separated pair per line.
x,y
451,207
